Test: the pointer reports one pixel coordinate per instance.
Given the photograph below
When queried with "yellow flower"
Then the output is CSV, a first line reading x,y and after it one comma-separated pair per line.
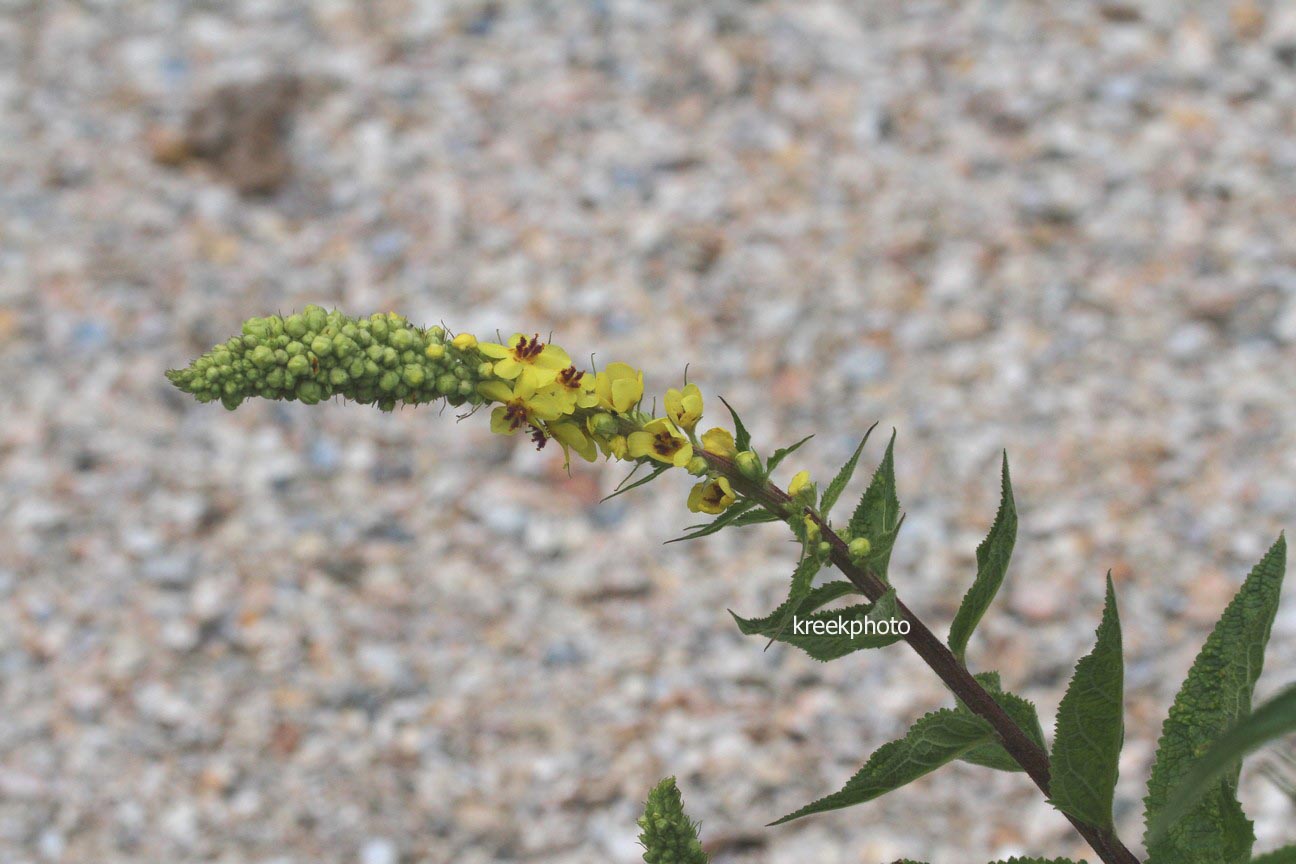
x,y
720,442
616,447
619,387
573,437
684,407
575,389
660,440
464,342
711,496
801,488
522,405
539,362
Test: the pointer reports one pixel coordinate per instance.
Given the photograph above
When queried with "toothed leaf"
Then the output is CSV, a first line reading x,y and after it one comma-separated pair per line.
x,y
622,489
1273,719
784,452
838,484
1215,696
756,517
818,597
932,741
742,438
1285,855
728,517
1022,711
831,633
992,558
877,517
1091,727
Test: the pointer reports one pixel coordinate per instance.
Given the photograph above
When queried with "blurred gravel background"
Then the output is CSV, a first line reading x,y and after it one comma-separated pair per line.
x,y
328,635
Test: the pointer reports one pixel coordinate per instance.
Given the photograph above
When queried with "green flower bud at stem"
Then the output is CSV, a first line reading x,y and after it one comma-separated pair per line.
x,y
697,466
322,345
485,370
466,388
435,351
413,375
294,348
824,549
343,346
295,326
401,340
859,548
749,464
338,376
316,318
378,327
447,383
263,357
309,392
388,381
256,327
299,365
389,357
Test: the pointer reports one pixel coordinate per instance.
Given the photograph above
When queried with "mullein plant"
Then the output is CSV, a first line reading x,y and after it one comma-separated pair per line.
x,y
532,387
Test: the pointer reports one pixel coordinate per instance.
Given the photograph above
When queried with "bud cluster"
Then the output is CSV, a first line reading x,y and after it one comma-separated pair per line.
x,y
314,355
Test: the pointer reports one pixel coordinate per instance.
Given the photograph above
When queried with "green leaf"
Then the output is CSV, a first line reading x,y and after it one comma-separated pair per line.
x,y
742,438
992,558
1091,727
667,834
756,517
1273,719
1022,711
1215,696
832,633
1037,861
838,484
622,489
784,452
728,517
818,597
802,577
877,517
932,741
1285,855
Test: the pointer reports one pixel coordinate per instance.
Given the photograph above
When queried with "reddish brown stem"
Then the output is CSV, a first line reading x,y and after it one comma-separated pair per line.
x,y
1033,760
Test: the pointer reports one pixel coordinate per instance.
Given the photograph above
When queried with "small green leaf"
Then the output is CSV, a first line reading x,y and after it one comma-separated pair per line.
x,y
877,517
728,517
818,597
802,578
1022,711
756,517
1273,719
622,489
932,741
992,558
1215,696
838,484
832,633
1285,855
667,834
1037,861
742,438
784,452
1091,727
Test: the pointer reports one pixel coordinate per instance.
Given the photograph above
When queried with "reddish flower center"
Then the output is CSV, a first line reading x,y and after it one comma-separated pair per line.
x,y
516,414
538,436
571,377
665,444
527,350
713,494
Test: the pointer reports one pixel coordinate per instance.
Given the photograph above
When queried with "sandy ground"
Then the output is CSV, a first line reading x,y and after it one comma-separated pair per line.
x,y
293,634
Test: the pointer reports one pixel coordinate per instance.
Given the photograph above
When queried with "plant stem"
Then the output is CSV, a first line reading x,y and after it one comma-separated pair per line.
x,y
1033,760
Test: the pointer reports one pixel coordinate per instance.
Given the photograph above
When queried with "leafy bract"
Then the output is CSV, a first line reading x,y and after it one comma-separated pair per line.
x,y
742,438
877,516
838,483
1273,719
783,452
1022,711
1214,697
935,739
1091,727
832,633
992,558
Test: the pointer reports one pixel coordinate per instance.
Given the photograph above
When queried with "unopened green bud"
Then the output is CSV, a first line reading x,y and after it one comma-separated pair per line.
x,y
413,375
749,464
309,392
299,365
263,357
484,370
338,376
697,466
388,381
603,425
295,326
447,383
824,548
859,548
466,388
322,345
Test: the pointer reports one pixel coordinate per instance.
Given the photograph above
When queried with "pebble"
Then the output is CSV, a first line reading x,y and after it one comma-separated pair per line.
x,y
327,634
